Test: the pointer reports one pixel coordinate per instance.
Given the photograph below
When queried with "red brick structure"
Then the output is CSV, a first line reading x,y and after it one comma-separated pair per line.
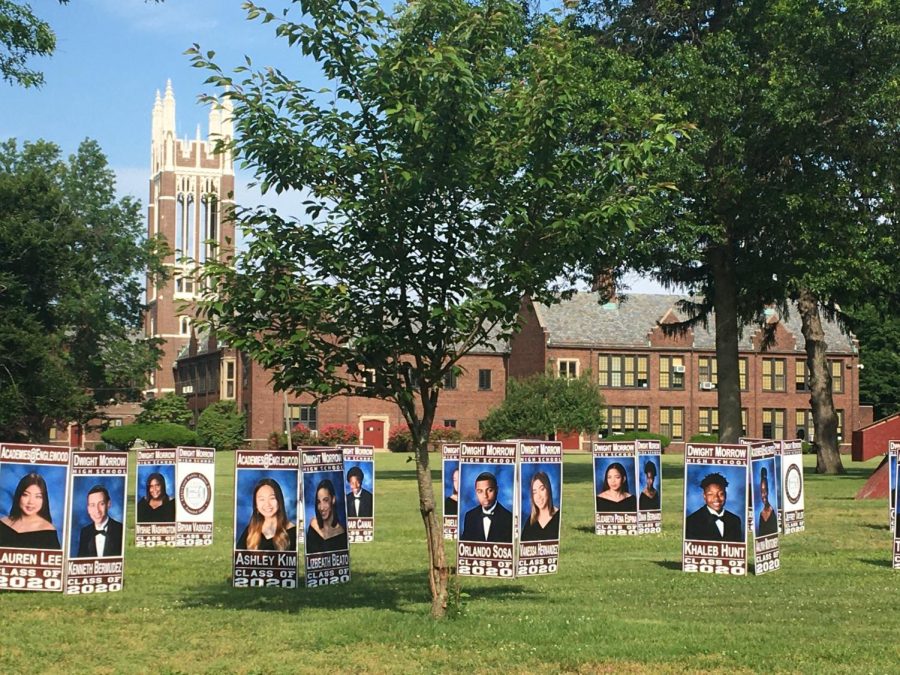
x,y
667,384
191,190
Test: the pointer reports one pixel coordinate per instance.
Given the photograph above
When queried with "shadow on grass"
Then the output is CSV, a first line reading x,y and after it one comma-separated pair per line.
x,y
672,565
587,529
879,562
396,592
880,528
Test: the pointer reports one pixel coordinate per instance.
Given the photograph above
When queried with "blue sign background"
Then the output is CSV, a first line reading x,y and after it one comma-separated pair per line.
x,y
56,478
246,482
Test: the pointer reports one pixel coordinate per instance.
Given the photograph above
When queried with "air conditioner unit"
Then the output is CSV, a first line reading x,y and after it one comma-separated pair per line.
x,y
707,385
677,369
187,389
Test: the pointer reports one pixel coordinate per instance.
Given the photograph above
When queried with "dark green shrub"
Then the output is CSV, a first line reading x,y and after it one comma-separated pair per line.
x,y
167,408
221,426
400,439
704,438
155,435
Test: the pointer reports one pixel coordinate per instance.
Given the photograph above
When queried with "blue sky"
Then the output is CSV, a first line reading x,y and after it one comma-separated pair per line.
x,y
113,55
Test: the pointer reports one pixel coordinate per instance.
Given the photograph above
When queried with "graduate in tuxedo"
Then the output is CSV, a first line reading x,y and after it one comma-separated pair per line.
x,y
490,520
711,522
359,500
103,537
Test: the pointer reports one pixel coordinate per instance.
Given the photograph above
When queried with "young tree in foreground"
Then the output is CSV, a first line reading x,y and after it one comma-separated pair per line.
x,y
70,295
442,184
542,404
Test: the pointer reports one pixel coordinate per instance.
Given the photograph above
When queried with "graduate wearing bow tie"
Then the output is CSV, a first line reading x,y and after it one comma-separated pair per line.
x,y
103,537
711,522
489,521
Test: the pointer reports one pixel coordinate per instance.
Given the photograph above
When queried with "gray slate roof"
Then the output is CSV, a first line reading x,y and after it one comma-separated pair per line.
x,y
582,321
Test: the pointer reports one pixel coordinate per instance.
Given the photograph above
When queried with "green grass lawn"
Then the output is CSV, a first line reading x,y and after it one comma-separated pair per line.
x,y
617,604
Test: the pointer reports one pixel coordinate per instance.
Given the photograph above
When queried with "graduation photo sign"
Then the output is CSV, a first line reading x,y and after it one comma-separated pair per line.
x,y
715,508
266,486
649,469
359,489
614,480
793,516
326,543
155,497
34,483
766,554
540,482
896,530
488,494
96,554
893,450
450,482
195,474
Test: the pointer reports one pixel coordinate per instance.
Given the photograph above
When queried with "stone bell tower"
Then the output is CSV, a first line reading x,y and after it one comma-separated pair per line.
x,y
191,198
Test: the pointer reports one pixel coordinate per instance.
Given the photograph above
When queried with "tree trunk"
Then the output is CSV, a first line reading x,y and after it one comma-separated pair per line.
x,y
828,455
438,572
725,307
420,430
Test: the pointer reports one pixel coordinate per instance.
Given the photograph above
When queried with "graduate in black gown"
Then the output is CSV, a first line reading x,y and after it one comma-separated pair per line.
x,y
767,518
614,495
156,506
325,532
29,523
543,523
269,528
648,500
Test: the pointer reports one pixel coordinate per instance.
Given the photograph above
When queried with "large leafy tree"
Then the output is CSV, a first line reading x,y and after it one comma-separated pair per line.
x,y
877,325
542,405
70,295
788,184
443,180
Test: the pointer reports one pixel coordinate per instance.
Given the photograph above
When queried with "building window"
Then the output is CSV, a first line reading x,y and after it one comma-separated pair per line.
x,y
708,421
773,423
742,372
708,372
801,381
840,424
228,378
801,376
567,369
671,422
744,426
773,376
623,371
484,379
803,424
53,434
671,372
307,415
184,283
620,419
450,423
837,376
184,325
450,379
